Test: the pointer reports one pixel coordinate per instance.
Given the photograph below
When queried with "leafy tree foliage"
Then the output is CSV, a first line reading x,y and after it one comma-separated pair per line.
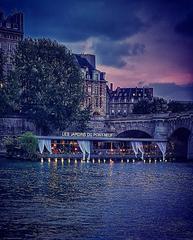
x,y
28,143
2,61
160,105
4,106
157,105
177,107
46,85
24,146
142,107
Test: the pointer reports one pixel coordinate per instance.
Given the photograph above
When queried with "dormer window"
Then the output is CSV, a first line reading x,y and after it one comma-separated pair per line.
x,y
8,25
96,77
15,26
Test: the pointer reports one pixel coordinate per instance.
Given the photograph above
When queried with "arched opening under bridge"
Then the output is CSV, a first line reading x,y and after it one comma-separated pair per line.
x,y
134,134
150,148
178,143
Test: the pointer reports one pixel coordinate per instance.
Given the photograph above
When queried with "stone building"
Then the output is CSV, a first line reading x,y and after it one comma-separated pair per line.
x,y
95,85
11,32
121,101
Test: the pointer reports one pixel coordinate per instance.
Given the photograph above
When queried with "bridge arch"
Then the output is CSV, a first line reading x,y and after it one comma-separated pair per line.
x,y
134,134
179,142
132,127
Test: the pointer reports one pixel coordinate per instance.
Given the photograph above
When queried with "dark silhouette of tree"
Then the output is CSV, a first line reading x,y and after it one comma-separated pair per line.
x,y
46,85
177,107
157,105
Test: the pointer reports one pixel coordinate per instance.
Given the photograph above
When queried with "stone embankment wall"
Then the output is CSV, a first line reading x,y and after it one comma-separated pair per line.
x,y
14,126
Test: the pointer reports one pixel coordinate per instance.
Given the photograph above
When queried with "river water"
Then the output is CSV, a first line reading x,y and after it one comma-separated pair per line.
x,y
132,201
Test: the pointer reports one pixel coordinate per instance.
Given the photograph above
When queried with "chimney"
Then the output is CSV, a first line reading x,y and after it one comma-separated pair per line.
x,y
111,86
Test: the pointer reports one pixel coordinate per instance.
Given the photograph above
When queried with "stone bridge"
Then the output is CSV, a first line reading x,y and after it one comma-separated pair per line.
x,y
175,128
165,126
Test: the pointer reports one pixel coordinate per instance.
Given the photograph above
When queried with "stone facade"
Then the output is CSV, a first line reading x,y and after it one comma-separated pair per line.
x,y
11,32
121,101
95,85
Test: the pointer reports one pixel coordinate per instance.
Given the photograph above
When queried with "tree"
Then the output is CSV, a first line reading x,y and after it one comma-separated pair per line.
x,y
47,85
28,143
2,62
177,107
158,105
144,106
4,106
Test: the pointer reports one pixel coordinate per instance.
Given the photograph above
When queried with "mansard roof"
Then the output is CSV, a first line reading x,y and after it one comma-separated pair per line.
x,y
83,62
122,93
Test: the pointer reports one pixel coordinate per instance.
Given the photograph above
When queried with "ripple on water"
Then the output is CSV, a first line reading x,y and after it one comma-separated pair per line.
x,y
95,201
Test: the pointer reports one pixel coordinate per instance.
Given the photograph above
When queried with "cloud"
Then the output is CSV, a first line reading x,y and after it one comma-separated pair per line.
x,y
123,29
185,27
115,53
73,20
173,91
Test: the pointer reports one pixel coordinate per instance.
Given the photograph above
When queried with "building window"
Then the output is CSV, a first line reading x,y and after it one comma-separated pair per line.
x,y
8,25
9,47
96,89
96,77
97,102
101,102
101,89
89,89
15,26
89,102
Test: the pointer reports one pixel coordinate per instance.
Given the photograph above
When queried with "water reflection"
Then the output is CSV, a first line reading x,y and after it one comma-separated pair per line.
x,y
74,200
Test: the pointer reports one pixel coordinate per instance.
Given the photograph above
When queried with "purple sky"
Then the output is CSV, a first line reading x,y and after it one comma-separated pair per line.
x,y
137,43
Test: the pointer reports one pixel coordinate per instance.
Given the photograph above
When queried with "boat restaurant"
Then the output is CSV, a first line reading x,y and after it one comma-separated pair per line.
x,y
87,145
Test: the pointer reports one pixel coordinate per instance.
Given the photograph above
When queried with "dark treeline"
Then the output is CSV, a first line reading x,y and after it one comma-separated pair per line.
x,y
45,85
